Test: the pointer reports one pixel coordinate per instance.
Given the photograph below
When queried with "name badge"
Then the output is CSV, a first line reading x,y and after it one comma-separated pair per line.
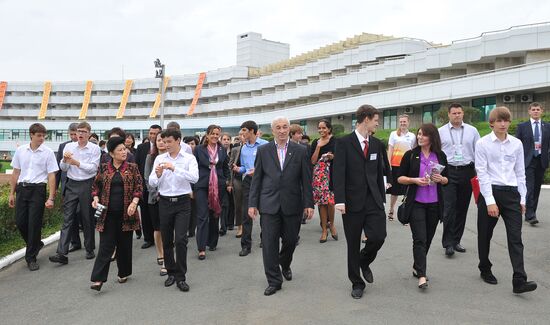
x,y
509,158
538,145
458,156
373,156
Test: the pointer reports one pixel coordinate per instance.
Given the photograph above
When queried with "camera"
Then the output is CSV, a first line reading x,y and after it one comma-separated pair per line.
x,y
99,210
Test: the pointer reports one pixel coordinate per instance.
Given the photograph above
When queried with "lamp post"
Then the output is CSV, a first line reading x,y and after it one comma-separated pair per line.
x,y
159,73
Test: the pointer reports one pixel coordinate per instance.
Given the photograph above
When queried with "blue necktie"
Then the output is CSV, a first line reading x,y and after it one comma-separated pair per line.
x,y
537,138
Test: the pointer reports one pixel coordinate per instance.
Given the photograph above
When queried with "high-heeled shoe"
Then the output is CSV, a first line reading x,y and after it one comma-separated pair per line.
x,y
96,286
423,285
323,240
334,234
122,280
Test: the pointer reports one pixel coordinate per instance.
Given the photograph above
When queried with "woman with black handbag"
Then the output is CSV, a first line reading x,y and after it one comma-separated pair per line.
x,y
423,170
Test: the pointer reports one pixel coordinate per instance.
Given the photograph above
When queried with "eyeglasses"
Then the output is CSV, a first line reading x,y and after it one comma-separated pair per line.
x,y
82,131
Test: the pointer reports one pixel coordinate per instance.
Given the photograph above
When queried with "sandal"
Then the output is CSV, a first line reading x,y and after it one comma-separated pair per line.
x,y
163,272
122,280
160,260
390,216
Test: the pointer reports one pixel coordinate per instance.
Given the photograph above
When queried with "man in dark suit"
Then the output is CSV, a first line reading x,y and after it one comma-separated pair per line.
x,y
141,155
535,136
359,189
281,191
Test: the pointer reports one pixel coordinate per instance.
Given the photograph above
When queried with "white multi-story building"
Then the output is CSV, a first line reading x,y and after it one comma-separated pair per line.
x,y
397,75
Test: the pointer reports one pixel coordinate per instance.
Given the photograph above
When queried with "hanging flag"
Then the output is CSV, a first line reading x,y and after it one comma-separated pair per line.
x,y
156,105
3,87
86,101
198,89
45,100
124,100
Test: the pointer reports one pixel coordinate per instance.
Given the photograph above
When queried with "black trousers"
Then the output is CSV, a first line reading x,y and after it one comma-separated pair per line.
x,y
154,214
146,222
373,222
423,223
534,175
174,221
508,202
275,226
110,238
238,200
29,212
248,223
207,223
193,217
75,228
227,218
457,194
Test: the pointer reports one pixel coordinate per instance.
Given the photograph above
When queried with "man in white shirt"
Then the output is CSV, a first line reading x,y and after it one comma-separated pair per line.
x,y
33,165
81,162
501,173
173,173
458,141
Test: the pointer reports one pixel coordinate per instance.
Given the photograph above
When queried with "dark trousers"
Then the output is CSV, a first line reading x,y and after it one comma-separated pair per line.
x,y
238,199
534,175
457,194
146,222
248,223
77,192
75,229
207,223
423,224
508,202
193,217
110,238
29,212
373,222
227,218
174,221
275,226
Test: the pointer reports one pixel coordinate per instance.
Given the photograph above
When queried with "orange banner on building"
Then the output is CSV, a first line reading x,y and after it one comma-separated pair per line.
x,y
3,87
156,105
45,100
198,89
86,101
124,100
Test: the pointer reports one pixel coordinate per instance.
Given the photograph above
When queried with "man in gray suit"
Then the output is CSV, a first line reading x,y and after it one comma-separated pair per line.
x,y
282,173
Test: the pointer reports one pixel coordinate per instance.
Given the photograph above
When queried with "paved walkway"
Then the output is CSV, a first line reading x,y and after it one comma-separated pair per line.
x,y
228,289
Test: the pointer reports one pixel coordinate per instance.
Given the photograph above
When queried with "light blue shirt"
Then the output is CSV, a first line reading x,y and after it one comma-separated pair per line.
x,y
248,155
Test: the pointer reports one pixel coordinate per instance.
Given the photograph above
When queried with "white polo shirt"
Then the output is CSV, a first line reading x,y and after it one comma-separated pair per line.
x,y
35,165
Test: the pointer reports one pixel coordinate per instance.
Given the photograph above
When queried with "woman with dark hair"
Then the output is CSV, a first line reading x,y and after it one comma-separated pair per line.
x,y
228,216
209,190
322,154
424,202
193,142
130,143
118,186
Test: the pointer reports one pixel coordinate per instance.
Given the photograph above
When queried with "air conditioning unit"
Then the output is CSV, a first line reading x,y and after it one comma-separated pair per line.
x,y
526,98
409,110
508,98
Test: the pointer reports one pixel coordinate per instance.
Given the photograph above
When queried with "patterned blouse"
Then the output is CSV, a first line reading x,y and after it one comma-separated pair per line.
x,y
133,187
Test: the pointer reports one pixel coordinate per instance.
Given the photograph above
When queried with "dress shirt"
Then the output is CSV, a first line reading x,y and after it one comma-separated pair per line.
x,y
466,136
540,131
88,156
248,155
177,182
35,165
186,148
500,163
361,139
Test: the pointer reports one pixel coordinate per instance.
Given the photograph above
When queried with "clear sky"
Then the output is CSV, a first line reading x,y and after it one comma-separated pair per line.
x,y
114,39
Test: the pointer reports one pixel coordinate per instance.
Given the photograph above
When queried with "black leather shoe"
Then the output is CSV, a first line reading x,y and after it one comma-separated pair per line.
x,y
449,251
459,248
33,266
222,233
271,290
170,281
244,252
489,278
191,235
357,293
287,274
230,227
74,248
90,255
202,257
58,258
183,286
367,274
533,221
525,287
146,245
96,287
211,249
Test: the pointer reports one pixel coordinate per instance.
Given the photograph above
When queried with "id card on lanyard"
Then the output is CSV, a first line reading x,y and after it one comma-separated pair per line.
x,y
458,155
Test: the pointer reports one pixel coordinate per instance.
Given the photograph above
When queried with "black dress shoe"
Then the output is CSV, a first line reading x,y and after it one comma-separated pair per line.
x,y
533,221
449,251
33,266
271,290
489,278
96,287
287,274
40,246
183,286
212,249
459,248
90,255
58,258
357,293
74,248
367,274
191,235
423,285
525,287
244,252
222,233
170,281
138,234
202,257
146,245
230,227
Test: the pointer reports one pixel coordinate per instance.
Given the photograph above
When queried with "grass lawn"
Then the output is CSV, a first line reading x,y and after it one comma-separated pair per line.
x,y
17,243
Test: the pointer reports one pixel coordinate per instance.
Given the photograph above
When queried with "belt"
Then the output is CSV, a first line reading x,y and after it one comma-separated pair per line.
x,y
82,180
25,184
505,188
174,198
470,165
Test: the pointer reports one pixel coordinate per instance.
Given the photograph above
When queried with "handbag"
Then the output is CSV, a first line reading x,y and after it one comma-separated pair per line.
x,y
401,214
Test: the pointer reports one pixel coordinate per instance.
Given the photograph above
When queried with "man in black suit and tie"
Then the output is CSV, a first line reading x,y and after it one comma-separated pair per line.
x,y
281,191
359,189
535,136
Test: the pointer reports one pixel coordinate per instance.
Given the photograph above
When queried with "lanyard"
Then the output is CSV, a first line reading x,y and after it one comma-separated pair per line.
x,y
461,134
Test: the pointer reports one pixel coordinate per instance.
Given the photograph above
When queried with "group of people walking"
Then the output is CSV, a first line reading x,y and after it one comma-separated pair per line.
x,y
171,188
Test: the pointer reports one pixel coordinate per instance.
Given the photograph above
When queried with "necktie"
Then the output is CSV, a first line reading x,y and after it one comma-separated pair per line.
x,y
537,138
366,149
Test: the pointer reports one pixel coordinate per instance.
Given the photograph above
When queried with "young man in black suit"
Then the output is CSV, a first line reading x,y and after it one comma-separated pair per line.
x,y
359,189
281,191
535,136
